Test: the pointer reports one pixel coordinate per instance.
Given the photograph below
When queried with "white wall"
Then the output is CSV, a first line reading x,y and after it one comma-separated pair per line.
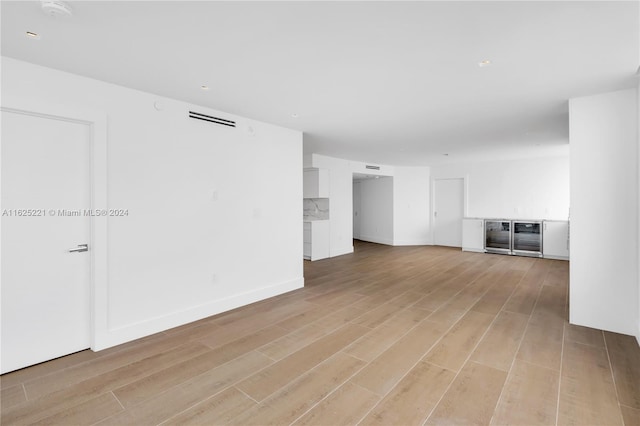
x,y
410,205
411,218
341,202
215,212
376,210
604,211
535,188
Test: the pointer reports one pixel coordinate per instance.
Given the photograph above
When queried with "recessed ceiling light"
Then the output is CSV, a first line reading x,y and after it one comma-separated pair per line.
x,y
203,87
33,35
294,115
484,63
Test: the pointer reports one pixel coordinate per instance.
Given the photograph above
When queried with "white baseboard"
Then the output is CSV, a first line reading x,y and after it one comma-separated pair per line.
x,y
473,250
117,336
418,242
376,240
340,251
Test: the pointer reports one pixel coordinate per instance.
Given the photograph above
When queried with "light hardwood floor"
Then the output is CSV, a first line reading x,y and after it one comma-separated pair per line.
x,y
387,336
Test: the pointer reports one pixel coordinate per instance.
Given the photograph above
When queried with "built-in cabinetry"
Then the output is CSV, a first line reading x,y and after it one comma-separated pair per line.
x,y
555,239
316,183
316,239
473,235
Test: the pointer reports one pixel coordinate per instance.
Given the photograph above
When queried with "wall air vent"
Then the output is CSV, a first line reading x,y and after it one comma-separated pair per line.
x,y
211,119
372,167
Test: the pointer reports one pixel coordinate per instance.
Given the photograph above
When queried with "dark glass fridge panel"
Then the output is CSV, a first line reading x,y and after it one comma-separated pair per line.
x,y
498,234
527,237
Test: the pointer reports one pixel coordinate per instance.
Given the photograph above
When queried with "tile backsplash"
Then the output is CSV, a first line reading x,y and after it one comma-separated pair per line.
x,y
316,208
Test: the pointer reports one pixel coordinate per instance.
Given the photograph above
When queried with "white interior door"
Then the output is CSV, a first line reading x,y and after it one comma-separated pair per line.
x,y
45,192
448,211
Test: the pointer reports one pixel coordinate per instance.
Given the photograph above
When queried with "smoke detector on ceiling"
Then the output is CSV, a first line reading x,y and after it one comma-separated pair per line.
x,y
56,8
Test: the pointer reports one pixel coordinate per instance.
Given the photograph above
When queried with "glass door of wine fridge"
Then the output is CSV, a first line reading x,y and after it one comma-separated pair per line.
x,y
497,236
527,238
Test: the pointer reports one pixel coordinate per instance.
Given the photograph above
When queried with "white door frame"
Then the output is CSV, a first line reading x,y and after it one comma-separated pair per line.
x,y
97,123
432,201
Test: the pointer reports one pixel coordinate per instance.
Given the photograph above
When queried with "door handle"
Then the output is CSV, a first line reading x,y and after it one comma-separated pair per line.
x,y
80,248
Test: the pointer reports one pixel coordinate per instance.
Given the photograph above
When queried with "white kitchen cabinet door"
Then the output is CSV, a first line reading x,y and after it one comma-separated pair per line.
x,y
555,239
316,240
473,235
316,183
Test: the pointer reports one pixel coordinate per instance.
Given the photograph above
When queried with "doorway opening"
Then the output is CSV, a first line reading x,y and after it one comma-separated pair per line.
x,y
372,209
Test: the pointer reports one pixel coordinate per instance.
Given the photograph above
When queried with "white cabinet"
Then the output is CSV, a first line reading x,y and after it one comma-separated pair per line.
x,y
316,183
316,239
473,235
555,239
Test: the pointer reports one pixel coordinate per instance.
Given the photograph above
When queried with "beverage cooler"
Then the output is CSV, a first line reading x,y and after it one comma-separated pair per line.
x,y
497,236
516,237
527,238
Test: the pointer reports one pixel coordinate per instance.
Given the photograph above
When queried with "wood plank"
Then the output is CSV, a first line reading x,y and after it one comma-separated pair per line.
x,y
523,299
272,378
558,274
492,301
60,379
384,372
291,402
456,345
10,397
180,398
377,316
292,342
472,397
219,409
584,335
246,325
156,383
530,396
380,339
541,346
620,342
551,307
87,413
451,312
447,290
38,371
631,416
498,347
53,403
406,299
411,400
626,372
348,404
587,398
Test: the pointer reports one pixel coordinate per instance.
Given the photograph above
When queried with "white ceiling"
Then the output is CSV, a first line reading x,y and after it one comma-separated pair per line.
x,y
381,82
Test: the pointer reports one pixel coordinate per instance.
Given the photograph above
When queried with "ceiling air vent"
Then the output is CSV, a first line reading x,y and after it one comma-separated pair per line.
x,y
211,119
372,167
